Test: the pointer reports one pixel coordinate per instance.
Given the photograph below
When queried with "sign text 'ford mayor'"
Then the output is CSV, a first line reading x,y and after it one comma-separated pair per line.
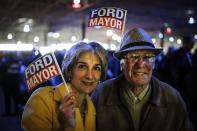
x,y
108,16
41,70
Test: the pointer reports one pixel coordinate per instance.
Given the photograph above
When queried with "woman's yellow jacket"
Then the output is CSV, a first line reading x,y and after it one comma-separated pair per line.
x,y
41,111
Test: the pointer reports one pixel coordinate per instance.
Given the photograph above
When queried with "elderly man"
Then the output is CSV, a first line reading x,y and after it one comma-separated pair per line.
x,y
135,100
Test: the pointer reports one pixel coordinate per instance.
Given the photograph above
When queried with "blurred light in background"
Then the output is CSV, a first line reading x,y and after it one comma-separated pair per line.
x,y
85,40
171,39
109,33
36,52
191,20
46,49
16,47
160,35
50,34
10,36
153,40
168,30
19,42
114,36
76,4
119,39
112,46
26,28
195,37
73,38
36,39
56,35
179,41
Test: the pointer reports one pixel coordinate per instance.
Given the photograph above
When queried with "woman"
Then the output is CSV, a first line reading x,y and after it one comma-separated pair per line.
x,y
54,109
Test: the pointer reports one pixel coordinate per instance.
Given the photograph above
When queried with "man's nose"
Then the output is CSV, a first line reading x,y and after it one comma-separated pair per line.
x,y
140,61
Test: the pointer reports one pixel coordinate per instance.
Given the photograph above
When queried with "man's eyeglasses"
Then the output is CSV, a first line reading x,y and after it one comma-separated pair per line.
x,y
136,57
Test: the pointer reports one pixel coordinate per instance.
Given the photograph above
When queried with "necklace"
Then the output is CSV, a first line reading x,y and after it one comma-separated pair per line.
x,y
82,110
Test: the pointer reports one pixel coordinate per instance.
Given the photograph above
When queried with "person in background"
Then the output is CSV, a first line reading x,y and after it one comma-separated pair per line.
x,y
161,70
191,90
53,109
113,66
10,81
180,63
136,100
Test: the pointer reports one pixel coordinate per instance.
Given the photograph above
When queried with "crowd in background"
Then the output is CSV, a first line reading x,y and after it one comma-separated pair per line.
x,y
177,67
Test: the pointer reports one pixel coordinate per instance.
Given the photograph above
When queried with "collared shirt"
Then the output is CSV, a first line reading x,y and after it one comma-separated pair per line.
x,y
134,98
137,103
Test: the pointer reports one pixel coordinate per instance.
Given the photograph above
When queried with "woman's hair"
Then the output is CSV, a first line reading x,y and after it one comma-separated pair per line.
x,y
72,55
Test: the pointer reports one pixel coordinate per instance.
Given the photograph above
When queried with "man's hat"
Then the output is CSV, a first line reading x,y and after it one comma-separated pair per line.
x,y
136,39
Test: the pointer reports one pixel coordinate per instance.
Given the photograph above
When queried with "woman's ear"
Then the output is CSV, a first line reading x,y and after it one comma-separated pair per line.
x,y
69,75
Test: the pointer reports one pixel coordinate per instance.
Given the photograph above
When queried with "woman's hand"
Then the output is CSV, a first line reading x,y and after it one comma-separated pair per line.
x,y
67,112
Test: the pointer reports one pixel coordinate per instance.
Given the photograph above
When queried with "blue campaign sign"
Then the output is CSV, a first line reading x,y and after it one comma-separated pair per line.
x,y
108,16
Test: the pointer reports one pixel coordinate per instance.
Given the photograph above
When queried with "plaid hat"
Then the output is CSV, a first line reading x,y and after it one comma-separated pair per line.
x,y
136,39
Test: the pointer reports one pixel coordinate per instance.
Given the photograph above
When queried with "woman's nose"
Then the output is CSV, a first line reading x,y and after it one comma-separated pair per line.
x,y
89,74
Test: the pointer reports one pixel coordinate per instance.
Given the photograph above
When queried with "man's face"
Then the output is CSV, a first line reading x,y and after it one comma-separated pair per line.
x,y
138,67
86,73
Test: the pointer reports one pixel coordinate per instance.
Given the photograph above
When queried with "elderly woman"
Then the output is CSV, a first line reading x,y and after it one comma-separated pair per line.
x,y
54,109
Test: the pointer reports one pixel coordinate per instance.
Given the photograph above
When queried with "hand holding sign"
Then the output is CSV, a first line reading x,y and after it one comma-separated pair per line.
x,y
67,111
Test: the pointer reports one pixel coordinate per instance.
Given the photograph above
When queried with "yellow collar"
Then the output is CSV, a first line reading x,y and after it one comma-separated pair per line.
x,y
60,91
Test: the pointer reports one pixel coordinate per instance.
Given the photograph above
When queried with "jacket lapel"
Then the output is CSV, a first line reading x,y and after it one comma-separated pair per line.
x,y
90,116
154,109
90,119
90,124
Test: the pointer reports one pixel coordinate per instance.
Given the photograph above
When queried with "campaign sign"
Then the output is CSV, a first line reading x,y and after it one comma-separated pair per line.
x,y
108,16
41,70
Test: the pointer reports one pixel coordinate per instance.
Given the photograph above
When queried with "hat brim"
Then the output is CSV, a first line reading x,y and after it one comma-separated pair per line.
x,y
120,54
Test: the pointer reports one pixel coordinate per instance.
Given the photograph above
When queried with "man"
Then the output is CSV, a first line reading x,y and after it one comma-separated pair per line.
x,y
135,100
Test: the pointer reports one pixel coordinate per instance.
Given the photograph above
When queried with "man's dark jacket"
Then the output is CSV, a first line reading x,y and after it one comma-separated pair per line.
x,y
165,110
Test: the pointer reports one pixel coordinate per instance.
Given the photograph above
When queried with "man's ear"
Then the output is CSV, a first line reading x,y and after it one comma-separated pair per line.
x,y
122,63
153,66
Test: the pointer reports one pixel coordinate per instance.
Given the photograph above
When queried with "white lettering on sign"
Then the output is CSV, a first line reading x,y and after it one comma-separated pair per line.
x,y
39,64
110,12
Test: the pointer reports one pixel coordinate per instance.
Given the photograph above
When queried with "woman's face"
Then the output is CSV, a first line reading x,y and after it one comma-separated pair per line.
x,y
86,73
